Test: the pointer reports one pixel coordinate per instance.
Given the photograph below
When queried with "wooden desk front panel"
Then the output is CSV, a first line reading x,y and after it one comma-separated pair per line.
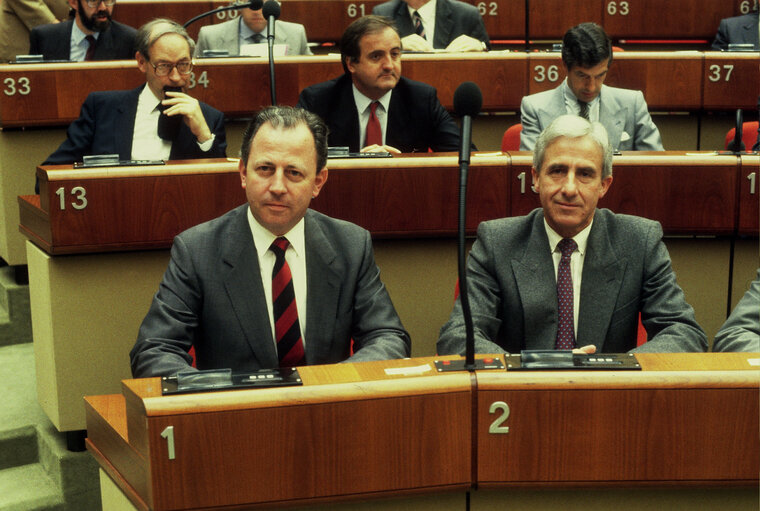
x,y
621,437
749,196
731,81
685,196
312,451
550,19
400,200
669,81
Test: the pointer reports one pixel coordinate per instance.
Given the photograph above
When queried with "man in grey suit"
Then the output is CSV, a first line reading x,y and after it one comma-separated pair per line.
x,y
741,331
249,28
587,56
92,26
425,25
738,30
223,289
614,267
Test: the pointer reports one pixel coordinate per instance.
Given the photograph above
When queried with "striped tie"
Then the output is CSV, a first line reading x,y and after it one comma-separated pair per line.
x,y
287,329
565,330
419,28
584,109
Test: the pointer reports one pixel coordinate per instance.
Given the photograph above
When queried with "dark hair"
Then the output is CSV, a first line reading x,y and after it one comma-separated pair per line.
x,y
586,45
152,30
287,117
349,41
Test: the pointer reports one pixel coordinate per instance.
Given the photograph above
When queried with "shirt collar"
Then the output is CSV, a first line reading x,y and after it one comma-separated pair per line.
x,y
427,11
571,99
148,99
362,101
246,32
263,239
581,239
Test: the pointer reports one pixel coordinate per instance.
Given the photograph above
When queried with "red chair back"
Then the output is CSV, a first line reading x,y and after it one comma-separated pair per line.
x,y
749,135
511,139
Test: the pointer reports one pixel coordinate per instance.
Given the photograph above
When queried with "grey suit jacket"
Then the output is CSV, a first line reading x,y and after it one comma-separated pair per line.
x,y
741,331
53,42
739,30
452,19
513,290
226,36
623,112
211,297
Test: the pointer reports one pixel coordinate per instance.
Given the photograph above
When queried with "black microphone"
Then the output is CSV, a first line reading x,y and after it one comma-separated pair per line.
x,y
467,103
271,11
737,144
255,5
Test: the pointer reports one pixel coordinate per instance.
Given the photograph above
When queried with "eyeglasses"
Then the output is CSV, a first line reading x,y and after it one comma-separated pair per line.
x,y
184,67
94,3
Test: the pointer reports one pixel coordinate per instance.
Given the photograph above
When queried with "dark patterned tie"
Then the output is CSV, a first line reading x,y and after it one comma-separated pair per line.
x,y
374,133
287,329
90,54
256,38
565,330
419,28
584,109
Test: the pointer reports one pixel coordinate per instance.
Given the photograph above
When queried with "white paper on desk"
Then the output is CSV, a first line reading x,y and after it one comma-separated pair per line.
x,y
754,361
262,50
408,371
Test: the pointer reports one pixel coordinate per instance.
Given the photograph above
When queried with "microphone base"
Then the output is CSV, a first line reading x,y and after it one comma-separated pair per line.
x,y
481,364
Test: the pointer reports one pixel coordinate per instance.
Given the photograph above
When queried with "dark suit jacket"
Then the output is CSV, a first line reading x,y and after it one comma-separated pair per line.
x,y
211,297
54,42
452,19
741,331
513,290
739,30
106,124
416,119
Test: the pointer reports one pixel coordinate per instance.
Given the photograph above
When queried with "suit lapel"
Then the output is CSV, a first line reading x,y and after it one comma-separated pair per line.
x,y
323,291
125,123
246,292
600,285
611,116
399,120
402,19
345,118
443,24
536,283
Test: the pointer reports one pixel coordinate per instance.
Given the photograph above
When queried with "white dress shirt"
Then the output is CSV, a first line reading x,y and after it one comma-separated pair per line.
x,y
295,256
576,264
427,14
146,144
363,107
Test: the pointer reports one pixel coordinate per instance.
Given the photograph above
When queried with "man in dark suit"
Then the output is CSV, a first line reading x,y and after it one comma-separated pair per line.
x,y
569,275
425,25
92,26
371,107
147,123
223,294
738,30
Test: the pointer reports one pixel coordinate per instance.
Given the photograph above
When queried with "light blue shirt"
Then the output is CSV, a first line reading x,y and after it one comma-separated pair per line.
x,y
79,44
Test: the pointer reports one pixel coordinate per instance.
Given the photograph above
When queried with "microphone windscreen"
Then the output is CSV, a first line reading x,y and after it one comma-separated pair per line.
x,y
271,8
468,99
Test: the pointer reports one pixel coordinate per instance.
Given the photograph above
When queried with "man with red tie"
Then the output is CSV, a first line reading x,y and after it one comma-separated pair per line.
x,y
570,275
371,107
271,283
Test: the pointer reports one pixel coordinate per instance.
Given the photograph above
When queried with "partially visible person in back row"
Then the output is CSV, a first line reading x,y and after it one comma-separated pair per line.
x,y
19,17
371,107
425,25
738,30
91,35
156,121
741,331
587,56
250,28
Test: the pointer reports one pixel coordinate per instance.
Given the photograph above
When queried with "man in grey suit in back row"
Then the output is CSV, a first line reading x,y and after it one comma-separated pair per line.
x,y
615,266
224,293
249,28
587,56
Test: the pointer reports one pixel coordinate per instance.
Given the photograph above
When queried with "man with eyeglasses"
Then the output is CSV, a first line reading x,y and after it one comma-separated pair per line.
x,y
154,122
90,35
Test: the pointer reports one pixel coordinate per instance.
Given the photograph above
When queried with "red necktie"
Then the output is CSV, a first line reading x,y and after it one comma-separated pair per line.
x,y
374,133
565,330
91,48
287,329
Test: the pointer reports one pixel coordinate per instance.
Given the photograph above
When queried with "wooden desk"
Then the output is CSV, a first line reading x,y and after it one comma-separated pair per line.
x,y
749,196
685,420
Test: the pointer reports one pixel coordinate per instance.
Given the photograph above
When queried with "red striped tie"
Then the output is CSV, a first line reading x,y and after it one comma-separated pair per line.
x,y
287,329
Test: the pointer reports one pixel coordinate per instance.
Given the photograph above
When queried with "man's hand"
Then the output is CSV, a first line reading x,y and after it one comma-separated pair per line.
x,y
414,42
588,349
465,43
377,148
188,107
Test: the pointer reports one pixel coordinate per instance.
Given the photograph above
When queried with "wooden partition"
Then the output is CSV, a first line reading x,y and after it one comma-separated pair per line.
x,y
391,428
